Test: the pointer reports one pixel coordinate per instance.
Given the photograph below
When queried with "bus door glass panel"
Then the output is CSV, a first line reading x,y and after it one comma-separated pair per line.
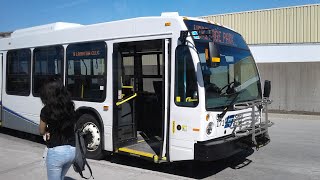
x,y
186,88
123,70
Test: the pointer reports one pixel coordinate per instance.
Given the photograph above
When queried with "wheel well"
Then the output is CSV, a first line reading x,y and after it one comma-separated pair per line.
x,y
88,110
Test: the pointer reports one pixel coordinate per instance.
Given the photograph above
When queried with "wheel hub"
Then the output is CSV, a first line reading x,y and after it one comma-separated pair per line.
x,y
92,136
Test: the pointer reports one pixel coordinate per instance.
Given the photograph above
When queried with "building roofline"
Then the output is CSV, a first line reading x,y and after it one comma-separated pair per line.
x,y
260,10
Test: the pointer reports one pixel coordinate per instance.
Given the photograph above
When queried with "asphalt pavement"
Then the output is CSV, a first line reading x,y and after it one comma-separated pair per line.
x,y
293,153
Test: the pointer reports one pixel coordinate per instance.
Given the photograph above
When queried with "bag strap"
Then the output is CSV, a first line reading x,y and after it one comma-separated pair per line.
x,y
80,172
82,152
89,170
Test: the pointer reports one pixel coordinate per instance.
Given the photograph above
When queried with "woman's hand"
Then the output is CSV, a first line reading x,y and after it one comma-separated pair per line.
x,y
46,136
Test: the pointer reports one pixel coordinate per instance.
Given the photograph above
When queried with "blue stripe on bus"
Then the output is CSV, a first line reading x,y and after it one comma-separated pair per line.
x,y
16,114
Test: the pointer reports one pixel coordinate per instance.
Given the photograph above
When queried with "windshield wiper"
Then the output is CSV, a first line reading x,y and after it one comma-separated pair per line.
x,y
216,108
226,108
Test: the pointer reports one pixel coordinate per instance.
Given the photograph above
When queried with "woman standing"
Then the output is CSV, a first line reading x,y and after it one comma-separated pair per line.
x,y
57,121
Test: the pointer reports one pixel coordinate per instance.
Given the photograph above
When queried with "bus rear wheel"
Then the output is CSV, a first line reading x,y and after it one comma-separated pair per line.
x,y
90,126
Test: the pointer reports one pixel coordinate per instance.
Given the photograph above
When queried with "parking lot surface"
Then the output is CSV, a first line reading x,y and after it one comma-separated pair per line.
x,y
293,153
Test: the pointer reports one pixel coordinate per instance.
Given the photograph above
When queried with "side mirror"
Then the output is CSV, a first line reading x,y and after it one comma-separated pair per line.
x,y
212,55
267,88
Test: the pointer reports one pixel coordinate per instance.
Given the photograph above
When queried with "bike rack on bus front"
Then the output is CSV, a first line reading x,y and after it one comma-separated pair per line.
x,y
257,107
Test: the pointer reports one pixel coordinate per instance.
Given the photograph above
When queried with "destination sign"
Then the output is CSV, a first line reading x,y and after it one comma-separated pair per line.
x,y
215,34
86,53
211,32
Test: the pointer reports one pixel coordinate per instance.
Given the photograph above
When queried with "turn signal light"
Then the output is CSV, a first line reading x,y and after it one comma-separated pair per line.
x,y
167,24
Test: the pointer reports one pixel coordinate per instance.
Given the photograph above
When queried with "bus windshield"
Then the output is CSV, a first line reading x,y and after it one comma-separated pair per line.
x,y
236,78
236,73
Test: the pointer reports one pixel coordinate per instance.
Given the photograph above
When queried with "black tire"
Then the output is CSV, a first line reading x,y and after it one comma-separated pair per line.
x,y
88,123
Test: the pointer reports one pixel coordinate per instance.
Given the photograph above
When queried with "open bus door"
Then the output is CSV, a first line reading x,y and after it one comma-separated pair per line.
x,y
139,125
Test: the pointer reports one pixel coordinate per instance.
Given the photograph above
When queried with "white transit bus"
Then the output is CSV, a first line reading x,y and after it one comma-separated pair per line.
x,y
165,88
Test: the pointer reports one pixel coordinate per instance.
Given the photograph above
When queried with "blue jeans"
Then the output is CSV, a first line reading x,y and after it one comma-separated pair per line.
x,y
59,160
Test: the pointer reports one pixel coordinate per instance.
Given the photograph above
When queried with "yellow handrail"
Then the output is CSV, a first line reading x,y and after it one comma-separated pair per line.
x,y
129,98
82,90
127,87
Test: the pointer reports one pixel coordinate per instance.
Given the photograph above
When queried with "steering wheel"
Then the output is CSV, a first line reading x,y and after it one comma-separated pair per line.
x,y
213,88
224,87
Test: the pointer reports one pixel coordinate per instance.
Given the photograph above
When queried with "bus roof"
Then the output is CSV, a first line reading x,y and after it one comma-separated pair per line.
x,y
66,33
44,28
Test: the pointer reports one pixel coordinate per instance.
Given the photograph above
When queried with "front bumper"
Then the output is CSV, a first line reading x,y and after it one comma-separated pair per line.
x,y
219,149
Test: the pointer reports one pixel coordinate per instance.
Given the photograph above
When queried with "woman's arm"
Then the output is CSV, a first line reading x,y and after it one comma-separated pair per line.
x,y
42,127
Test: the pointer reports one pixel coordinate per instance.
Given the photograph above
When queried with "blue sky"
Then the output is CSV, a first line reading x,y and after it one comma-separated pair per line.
x,y
17,14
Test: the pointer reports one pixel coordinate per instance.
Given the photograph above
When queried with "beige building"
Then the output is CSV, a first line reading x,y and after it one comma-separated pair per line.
x,y
286,45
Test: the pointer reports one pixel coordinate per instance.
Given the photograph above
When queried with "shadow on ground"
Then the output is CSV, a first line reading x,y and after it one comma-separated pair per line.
x,y
189,169
68,178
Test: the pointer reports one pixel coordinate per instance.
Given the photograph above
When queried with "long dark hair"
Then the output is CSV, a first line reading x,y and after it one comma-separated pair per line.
x,y
60,107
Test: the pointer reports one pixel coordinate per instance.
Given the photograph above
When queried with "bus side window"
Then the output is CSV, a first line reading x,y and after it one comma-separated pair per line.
x,y
47,64
86,70
18,72
186,88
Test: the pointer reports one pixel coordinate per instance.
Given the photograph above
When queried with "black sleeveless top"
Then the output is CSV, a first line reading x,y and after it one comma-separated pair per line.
x,y
57,137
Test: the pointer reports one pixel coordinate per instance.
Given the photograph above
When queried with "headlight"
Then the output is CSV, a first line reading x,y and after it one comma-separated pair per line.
x,y
209,128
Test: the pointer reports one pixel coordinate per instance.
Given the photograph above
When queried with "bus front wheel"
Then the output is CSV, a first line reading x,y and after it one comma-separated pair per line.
x,y
90,126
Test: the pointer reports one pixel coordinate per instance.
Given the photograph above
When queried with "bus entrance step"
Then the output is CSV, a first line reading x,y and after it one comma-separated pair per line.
x,y
142,154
